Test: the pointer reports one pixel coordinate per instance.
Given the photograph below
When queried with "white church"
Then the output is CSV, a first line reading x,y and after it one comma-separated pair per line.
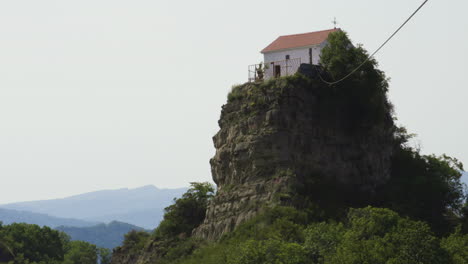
x,y
284,55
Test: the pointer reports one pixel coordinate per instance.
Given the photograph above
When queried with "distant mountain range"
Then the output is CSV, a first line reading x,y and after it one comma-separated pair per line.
x,y
142,206
8,216
102,235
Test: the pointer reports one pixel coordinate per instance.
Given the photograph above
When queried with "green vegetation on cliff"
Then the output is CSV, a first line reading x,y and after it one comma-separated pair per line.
x,y
425,187
286,235
172,238
367,235
187,212
291,236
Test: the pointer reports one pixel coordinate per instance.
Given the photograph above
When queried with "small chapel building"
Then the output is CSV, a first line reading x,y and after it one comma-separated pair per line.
x,y
285,55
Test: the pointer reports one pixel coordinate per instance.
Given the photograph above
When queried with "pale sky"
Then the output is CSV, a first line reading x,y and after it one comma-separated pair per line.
x,y
104,94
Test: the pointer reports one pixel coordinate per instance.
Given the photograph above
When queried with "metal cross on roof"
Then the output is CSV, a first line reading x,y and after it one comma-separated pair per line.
x,y
334,22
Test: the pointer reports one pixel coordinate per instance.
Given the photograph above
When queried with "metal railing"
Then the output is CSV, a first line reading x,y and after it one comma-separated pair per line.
x,y
256,72
282,68
260,72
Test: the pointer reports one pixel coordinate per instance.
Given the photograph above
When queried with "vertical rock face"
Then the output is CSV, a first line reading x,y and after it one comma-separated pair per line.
x,y
276,137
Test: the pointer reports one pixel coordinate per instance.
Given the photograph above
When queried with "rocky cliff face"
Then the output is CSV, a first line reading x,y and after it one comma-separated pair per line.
x,y
278,137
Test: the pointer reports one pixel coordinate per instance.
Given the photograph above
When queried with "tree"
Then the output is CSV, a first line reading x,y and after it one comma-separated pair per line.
x,y
377,236
425,187
322,240
187,212
362,96
457,247
81,253
464,215
135,240
25,242
172,239
6,252
104,256
266,252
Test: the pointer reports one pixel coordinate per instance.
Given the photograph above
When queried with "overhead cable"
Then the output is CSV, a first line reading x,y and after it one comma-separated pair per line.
x,y
375,52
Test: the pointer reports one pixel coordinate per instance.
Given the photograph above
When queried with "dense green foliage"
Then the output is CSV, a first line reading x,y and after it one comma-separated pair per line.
x,y
187,212
267,251
457,247
272,237
103,235
464,215
81,253
367,235
105,256
362,96
135,240
381,236
173,235
425,187
284,235
31,244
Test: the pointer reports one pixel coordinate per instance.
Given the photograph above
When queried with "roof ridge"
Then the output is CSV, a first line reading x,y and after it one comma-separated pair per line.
x,y
309,32
299,40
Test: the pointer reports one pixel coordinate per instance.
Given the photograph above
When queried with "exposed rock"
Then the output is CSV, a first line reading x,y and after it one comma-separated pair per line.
x,y
276,136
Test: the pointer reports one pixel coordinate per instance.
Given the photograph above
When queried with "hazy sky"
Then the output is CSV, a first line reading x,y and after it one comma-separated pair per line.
x,y
102,94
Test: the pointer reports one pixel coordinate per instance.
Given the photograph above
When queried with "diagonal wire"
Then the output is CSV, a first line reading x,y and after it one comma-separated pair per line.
x,y
375,52
8,248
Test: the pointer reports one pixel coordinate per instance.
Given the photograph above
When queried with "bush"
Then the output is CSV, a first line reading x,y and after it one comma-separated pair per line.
x,y
235,94
362,96
285,223
425,187
322,240
456,246
135,240
275,236
81,253
375,235
24,242
187,212
267,252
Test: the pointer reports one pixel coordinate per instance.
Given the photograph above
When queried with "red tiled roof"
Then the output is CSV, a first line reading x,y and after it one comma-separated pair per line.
x,y
299,40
